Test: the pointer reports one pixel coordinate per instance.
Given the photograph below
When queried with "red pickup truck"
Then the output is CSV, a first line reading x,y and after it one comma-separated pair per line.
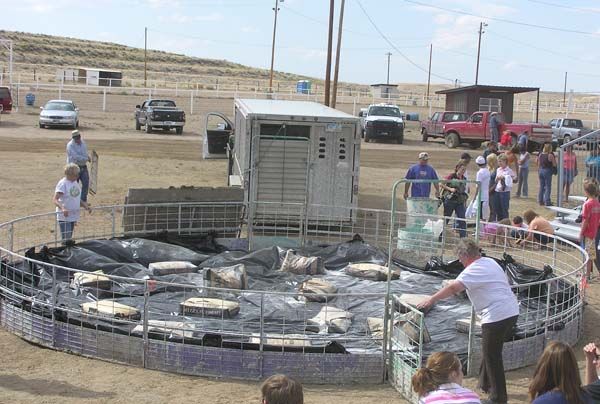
x,y
477,129
434,126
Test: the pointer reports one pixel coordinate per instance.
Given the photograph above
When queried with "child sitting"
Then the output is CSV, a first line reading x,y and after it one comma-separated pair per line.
x,y
519,234
491,231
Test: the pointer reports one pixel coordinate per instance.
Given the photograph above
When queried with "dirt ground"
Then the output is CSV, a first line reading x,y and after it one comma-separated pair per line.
x,y
31,161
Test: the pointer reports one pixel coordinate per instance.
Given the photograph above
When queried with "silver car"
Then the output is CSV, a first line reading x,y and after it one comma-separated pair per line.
x,y
59,113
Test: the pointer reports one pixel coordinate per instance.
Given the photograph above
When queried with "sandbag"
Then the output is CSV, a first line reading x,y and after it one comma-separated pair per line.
x,y
95,279
209,307
330,320
233,277
285,340
300,265
373,272
177,328
406,301
317,290
409,324
463,325
171,267
110,308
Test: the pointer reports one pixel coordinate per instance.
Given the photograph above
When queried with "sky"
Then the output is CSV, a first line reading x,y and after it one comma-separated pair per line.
x,y
526,42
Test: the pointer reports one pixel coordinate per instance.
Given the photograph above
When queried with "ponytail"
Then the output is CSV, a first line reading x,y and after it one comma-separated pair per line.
x,y
436,371
422,382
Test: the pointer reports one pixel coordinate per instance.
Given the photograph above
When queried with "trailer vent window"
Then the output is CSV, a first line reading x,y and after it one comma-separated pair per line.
x,y
322,139
342,157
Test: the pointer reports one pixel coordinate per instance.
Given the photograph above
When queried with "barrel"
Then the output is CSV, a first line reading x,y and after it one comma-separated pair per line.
x,y
30,99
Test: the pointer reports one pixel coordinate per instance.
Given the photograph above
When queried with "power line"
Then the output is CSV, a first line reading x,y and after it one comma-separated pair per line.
x,y
525,24
537,47
396,48
579,9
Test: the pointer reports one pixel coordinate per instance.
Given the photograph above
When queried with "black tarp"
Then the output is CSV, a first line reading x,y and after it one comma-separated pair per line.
x,y
282,314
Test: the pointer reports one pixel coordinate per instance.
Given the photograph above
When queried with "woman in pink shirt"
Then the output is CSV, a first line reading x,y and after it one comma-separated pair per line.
x,y
439,381
569,170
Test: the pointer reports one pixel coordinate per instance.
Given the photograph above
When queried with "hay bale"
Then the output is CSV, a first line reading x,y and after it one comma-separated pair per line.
x,y
299,265
373,272
233,277
317,290
171,267
209,307
330,320
95,279
110,308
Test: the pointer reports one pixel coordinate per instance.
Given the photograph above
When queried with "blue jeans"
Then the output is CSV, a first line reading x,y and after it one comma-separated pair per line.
x,y
451,207
545,175
523,179
503,205
84,177
66,229
493,206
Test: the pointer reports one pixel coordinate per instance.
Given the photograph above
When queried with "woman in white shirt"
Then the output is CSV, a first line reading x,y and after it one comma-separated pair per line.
x,y
67,199
490,293
505,177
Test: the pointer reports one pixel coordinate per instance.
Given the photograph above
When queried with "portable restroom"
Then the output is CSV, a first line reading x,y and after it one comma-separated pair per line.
x,y
303,86
296,152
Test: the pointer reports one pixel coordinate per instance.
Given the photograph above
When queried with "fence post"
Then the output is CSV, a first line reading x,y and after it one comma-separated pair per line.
x,y
53,303
113,215
11,237
60,88
104,99
176,89
262,321
471,340
561,179
191,102
145,324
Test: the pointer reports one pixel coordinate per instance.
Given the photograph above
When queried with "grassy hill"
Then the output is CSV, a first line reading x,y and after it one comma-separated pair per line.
x,y
46,53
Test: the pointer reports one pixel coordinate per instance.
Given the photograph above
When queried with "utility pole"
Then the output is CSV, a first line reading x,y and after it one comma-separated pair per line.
x,y
276,9
481,31
337,56
389,54
565,90
145,56
329,46
429,72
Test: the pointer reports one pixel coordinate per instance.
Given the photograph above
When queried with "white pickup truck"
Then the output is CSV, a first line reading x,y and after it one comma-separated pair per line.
x,y
566,129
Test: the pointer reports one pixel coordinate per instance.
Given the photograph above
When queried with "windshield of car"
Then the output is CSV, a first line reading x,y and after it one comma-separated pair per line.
x,y
59,106
162,103
385,111
4,93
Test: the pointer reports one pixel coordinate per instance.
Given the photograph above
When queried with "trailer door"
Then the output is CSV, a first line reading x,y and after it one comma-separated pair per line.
x,y
332,171
280,165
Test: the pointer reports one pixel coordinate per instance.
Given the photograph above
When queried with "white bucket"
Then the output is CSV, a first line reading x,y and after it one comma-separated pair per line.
x,y
417,210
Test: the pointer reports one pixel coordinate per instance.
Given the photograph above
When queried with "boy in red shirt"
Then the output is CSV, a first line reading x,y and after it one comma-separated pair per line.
x,y
591,221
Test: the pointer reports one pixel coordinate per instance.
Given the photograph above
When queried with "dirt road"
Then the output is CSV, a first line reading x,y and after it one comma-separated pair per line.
x,y
31,162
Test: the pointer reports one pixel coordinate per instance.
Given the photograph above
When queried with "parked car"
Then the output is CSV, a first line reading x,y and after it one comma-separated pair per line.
x,y
384,121
59,113
5,100
162,114
476,129
566,129
434,126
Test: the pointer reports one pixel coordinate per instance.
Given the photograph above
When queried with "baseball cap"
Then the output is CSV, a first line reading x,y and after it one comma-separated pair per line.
x,y
480,160
75,133
423,156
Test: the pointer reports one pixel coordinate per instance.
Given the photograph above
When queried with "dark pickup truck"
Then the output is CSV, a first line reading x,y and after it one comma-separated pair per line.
x,y
434,126
162,114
